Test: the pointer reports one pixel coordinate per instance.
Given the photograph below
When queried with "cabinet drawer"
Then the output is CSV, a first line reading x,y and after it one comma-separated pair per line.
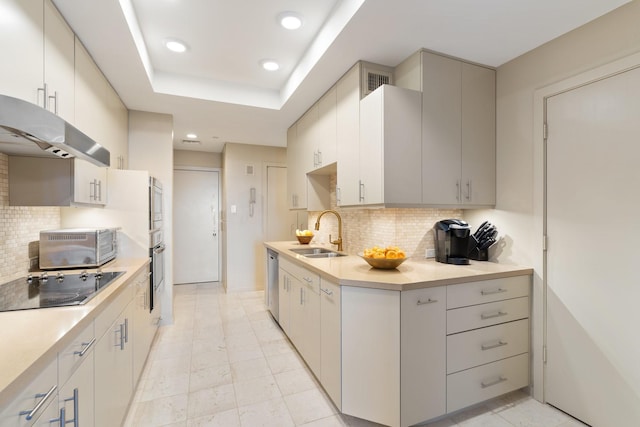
x,y
479,316
75,353
306,277
468,349
31,396
487,381
487,291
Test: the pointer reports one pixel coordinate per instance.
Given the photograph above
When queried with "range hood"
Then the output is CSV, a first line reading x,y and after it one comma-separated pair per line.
x,y
27,129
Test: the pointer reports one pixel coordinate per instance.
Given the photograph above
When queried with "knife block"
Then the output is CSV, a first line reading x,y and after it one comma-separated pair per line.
x,y
475,253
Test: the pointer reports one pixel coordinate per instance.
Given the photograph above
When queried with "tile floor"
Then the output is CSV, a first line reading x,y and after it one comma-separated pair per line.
x,y
225,362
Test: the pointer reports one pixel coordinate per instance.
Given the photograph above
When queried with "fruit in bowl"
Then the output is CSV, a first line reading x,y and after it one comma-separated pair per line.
x,y
386,258
304,236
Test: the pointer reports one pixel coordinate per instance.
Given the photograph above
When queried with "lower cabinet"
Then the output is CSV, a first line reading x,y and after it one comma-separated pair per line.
x,y
423,357
330,341
144,324
403,358
76,397
113,378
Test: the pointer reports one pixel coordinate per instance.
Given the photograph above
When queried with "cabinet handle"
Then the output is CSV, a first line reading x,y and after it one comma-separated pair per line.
x,y
126,329
308,280
55,102
87,346
45,97
121,345
327,291
61,419
319,158
45,396
428,301
493,291
485,316
494,382
92,194
73,399
458,190
468,196
486,347
361,190
99,190
338,195
301,300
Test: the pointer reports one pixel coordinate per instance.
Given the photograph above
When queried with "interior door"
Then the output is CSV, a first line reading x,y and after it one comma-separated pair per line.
x,y
593,347
196,226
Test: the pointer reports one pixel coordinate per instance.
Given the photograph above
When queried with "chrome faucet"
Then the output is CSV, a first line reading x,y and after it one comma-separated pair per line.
x,y
338,241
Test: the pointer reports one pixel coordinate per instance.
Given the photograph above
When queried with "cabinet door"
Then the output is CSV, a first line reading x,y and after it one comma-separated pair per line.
x,y
478,135
113,378
441,115
284,301
58,63
330,346
326,139
371,134
423,354
21,40
77,395
144,325
305,323
90,183
117,141
307,139
348,137
296,175
90,109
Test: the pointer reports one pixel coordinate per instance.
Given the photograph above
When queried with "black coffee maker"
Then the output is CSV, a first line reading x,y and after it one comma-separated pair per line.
x,y
452,241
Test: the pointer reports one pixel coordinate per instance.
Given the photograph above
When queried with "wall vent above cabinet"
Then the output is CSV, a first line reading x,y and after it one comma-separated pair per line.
x,y
374,76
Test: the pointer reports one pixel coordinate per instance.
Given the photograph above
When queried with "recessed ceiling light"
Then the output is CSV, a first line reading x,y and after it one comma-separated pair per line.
x,y
192,136
270,65
176,46
290,20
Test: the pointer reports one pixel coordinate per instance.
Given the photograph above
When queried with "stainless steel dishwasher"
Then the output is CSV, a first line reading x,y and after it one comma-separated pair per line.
x,y
271,291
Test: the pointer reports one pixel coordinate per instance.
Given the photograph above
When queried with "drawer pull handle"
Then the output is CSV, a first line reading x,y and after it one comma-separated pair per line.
x,y
494,382
486,347
429,301
495,291
308,280
327,291
485,316
30,414
87,346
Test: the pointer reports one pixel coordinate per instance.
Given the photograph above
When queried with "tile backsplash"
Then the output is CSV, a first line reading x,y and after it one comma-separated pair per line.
x,y
409,228
19,228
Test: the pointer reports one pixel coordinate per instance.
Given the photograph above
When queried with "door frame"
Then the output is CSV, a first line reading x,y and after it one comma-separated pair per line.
x,y
539,292
219,170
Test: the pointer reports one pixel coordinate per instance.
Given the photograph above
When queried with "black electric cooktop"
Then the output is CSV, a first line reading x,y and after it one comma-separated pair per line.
x,y
53,290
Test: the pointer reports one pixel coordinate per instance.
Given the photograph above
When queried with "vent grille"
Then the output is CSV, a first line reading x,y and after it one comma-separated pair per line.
x,y
74,237
375,80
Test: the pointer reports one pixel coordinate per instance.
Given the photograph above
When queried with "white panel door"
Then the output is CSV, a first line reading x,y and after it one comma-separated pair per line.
x,y
593,345
196,226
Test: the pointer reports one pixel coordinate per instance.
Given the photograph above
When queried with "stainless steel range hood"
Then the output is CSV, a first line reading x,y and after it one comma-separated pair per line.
x,y
29,130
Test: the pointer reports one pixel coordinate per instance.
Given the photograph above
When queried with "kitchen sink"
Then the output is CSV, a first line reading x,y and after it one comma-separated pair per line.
x,y
317,253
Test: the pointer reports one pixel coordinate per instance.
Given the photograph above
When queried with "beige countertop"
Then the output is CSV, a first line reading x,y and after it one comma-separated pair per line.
x,y
351,270
31,338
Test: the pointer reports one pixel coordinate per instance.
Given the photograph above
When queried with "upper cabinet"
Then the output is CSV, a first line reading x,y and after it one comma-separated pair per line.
x,y
99,111
53,70
390,148
458,129
348,137
37,38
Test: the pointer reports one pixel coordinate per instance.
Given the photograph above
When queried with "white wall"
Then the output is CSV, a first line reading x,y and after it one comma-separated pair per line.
x,y
151,149
243,235
197,159
519,167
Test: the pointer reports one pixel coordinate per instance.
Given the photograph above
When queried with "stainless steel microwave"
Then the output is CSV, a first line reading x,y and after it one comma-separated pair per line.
x,y
77,247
